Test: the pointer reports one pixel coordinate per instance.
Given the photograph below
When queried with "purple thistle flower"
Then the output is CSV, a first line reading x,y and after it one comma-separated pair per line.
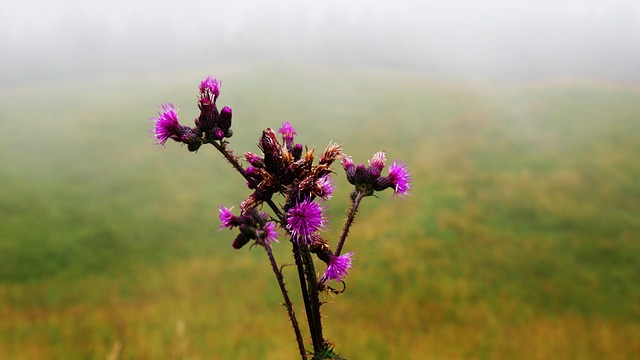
x,y
347,163
166,124
209,90
325,185
377,162
400,178
304,220
287,131
269,233
227,219
338,266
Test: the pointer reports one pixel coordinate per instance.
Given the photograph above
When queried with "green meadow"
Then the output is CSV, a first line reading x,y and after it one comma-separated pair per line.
x,y
519,240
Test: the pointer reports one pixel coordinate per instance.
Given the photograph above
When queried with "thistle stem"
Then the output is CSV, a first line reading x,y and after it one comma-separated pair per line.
x,y
316,335
287,301
231,159
359,194
311,319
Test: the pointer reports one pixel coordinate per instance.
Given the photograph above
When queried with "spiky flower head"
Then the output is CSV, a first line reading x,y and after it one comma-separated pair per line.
x,y
325,187
377,162
209,90
338,267
227,219
268,234
304,220
167,125
400,178
288,132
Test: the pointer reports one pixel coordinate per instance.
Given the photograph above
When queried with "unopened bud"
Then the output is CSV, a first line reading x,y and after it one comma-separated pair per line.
x,y
240,241
224,119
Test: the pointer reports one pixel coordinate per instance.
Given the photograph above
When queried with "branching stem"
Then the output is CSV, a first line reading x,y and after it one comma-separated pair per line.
x,y
359,194
287,301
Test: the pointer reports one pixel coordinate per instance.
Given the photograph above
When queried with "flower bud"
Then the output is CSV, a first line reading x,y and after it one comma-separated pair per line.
x,y
254,159
241,240
209,90
322,250
288,132
272,151
376,164
296,152
216,133
224,119
350,169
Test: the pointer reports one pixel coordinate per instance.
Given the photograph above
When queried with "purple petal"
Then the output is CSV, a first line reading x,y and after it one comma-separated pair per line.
x,y
227,219
304,219
166,124
338,267
400,178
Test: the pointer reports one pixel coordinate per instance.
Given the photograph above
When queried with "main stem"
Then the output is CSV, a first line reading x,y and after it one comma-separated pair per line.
x,y
308,305
317,337
289,305
349,221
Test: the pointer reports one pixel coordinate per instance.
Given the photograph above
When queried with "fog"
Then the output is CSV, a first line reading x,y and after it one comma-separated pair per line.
x,y
495,39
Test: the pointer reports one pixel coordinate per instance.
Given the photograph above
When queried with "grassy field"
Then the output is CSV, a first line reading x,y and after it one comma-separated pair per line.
x,y
519,241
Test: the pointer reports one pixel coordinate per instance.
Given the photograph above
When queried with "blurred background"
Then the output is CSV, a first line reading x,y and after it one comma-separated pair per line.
x,y
520,122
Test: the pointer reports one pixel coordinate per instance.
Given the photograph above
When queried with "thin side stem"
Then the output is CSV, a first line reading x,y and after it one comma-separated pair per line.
x,y
231,159
349,221
287,301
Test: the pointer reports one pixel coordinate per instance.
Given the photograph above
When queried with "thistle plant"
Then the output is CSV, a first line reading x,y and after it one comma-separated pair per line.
x,y
289,197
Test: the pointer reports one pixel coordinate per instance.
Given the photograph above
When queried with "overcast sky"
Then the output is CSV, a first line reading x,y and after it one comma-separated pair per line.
x,y
495,38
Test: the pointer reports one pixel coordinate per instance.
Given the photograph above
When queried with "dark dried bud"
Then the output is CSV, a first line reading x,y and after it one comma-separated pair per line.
x,y
255,199
240,240
322,250
190,137
296,151
247,227
193,147
272,151
308,156
331,153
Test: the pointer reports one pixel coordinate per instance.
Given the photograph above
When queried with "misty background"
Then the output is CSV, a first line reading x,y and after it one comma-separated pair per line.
x,y
495,39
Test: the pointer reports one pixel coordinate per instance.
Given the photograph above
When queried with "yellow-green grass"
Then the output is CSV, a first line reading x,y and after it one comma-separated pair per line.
x,y
519,239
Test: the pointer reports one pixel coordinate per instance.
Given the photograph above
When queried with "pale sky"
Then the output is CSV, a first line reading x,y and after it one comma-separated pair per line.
x,y
488,38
